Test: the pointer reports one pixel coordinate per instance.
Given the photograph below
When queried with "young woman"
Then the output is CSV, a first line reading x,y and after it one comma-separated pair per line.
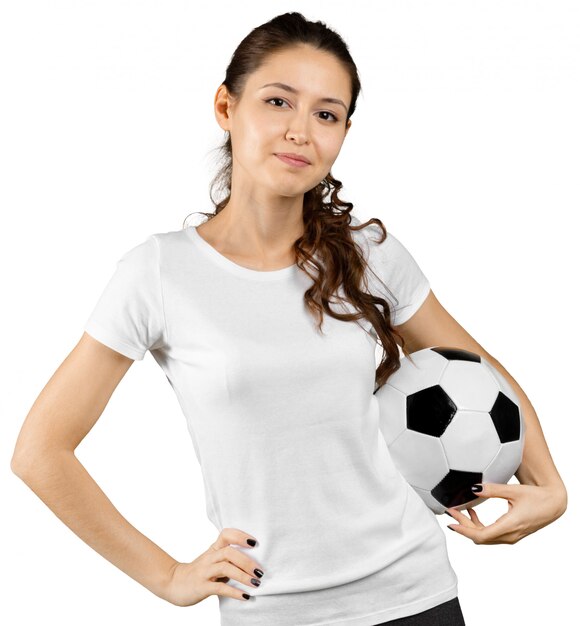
x,y
265,320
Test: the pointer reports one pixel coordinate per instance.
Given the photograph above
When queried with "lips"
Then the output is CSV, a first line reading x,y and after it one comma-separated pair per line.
x,y
296,160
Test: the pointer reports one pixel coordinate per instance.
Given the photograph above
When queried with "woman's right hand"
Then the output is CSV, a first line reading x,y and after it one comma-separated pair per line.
x,y
208,574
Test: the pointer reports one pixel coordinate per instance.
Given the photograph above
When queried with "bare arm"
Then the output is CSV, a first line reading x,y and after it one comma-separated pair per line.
x,y
44,458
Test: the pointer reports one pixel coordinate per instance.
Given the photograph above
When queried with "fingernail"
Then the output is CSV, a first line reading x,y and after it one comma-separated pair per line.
x,y
246,595
447,513
451,528
255,582
259,573
252,542
477,488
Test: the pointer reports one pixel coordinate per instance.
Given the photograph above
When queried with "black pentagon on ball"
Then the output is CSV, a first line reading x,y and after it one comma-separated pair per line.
x,y
456,354
455,488
430,411
506,418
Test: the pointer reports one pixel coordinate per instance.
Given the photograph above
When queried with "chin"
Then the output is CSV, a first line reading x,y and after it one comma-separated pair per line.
x,y
284,185
291,191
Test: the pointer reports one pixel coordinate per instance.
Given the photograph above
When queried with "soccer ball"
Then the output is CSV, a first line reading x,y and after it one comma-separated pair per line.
x,y
450,420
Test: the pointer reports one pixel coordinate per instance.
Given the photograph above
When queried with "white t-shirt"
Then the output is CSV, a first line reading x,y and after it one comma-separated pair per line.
x,y
285,427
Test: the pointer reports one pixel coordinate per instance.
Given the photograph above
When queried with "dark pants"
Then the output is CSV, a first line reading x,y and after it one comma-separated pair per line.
x,y
446,614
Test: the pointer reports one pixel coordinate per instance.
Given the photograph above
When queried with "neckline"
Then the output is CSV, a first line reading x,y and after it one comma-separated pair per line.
x,y
235,268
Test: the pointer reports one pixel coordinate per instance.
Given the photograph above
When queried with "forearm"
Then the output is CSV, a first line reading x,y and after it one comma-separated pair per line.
x,y
64,485
537,466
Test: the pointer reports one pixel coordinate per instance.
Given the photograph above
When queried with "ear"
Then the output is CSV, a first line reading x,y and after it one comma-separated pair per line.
x,y
222,105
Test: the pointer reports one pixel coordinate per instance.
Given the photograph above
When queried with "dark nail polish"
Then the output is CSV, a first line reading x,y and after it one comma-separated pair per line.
x,y
252,542
446,513
259,573
477,488
255,582
450,528
246,595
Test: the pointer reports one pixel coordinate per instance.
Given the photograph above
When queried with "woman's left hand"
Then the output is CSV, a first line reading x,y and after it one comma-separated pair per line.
x,y
531,507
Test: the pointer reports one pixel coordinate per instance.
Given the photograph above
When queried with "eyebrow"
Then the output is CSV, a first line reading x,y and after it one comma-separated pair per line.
x,y
294,90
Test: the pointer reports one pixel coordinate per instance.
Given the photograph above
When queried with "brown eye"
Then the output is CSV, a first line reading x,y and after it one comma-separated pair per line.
x,y
333,115
279,99
322,112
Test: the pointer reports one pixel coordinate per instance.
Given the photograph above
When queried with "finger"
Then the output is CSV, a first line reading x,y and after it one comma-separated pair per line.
x,y
223,589
497,490
474,517
458,516
233,536
242,561
486,534
454,513
228,569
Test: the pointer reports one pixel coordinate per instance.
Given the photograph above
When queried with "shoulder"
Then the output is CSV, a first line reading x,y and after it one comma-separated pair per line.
x,y
154,245
170,237
142,260
371,241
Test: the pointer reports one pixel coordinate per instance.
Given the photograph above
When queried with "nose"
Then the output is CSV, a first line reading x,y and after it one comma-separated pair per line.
x,y
298,130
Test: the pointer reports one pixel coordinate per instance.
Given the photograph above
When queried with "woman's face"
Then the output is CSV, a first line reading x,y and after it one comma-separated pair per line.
x,y
272,119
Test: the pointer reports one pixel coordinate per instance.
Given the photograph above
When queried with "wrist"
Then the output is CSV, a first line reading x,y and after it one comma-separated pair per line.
x,y
557,493
163,586
560,493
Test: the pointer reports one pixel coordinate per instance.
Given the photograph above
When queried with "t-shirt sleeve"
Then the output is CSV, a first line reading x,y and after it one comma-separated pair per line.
x,y
129,316
397,277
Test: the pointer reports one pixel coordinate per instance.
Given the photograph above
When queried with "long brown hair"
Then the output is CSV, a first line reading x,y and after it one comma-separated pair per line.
x,y
327,244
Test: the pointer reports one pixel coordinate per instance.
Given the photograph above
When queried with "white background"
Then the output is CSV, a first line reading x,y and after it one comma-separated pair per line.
x,y
465,142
